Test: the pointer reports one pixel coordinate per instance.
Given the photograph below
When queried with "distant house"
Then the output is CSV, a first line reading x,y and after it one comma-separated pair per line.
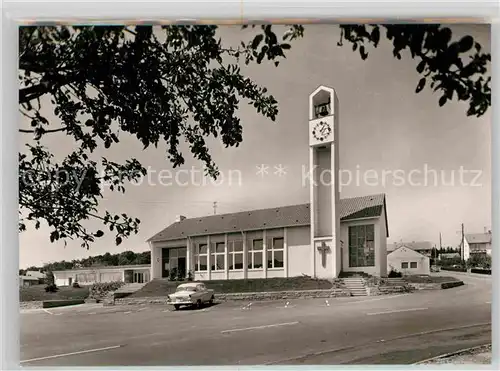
x,y
408,261
423,247
89,276
27,281
477,243
36,274
449,255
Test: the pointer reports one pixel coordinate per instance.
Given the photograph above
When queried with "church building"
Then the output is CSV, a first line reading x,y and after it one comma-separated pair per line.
x,y
320,239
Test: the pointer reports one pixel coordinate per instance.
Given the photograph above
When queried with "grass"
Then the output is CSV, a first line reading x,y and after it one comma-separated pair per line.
x,y
269,284
164,287
429,279
37,293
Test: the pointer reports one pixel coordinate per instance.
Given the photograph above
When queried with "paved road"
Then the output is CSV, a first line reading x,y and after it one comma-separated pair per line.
x,y
400,329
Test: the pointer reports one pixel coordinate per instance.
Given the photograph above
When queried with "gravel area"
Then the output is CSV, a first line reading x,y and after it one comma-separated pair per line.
x,y
477,356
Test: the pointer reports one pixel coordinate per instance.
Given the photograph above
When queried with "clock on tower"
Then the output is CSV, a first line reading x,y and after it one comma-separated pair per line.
x,y
321,131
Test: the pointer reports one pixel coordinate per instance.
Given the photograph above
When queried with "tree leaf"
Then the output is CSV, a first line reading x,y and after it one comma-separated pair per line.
x,y
362,52
442,101
421,85
256,41
421,66
375,35
466,43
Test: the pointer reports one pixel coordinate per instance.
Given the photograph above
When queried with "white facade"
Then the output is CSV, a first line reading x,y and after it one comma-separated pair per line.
x,y
408,261
278,252
89,276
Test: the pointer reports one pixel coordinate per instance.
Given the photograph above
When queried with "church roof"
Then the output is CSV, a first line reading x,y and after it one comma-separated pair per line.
x,y
276,217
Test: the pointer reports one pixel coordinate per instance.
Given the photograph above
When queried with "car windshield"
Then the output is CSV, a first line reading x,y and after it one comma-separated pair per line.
x,y
186,288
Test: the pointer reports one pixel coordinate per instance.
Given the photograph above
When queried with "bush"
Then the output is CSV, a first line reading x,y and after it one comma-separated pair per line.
x,y
100,289
76,285
181,275
479,261
172,275
49,278
394,274
51,288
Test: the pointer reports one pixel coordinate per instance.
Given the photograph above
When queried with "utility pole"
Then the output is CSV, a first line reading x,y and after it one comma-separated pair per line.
x,y
215,207
462,252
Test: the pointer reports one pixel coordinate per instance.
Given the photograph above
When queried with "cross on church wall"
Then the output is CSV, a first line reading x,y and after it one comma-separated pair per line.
x,y
323,249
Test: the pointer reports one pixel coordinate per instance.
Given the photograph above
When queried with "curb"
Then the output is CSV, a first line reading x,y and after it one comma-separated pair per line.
x,y
447,355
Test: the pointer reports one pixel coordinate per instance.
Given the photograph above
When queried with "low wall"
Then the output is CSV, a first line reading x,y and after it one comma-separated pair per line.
x,y
451,269
425,286
449,285
386,290
253,296
61,303
278,295
481,271
436,285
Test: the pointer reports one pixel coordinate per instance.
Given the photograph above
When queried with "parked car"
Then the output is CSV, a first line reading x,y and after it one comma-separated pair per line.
x,y
435,268
191,294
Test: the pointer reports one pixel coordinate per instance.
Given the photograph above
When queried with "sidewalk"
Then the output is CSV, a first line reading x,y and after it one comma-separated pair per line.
x,y
478,356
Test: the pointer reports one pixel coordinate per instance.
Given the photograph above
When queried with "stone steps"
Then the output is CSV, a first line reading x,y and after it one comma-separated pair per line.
x,y
356,285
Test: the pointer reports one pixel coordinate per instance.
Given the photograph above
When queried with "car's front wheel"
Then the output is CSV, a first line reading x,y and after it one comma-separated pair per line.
x,y
176,306
211,301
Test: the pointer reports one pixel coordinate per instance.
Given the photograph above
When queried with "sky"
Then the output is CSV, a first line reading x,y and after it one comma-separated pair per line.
x,y
433,163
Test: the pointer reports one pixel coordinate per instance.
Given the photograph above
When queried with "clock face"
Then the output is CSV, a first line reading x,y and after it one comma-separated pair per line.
x,y
321,131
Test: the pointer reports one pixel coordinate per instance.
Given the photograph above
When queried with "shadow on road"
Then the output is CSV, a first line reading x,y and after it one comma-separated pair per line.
x,y
194,307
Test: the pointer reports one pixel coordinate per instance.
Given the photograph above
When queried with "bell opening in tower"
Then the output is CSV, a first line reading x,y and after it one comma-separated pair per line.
x,y
322,104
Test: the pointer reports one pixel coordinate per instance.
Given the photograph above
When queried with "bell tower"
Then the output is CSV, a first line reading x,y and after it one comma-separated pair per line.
x,y
324,182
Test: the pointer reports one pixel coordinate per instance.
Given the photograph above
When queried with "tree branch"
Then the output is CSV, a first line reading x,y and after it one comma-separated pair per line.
x,y
44,131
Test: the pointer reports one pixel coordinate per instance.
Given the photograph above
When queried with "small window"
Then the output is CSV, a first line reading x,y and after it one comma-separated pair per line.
x,y
404,265
413,265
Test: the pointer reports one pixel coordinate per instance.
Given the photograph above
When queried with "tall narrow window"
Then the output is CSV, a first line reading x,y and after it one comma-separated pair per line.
x,y
255,254
362,246
275,252
217,256
200,257
235,257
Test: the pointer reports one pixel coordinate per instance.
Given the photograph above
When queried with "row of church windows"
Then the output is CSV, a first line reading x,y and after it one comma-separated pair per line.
x,y
255,255
361,252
